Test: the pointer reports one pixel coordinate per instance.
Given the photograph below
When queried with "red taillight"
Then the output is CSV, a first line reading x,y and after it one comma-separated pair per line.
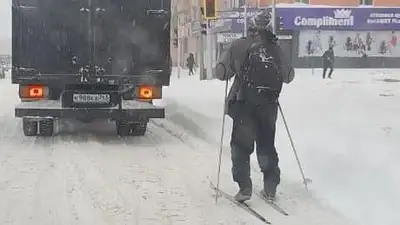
x,y
33,92
149,92
36,92
146,92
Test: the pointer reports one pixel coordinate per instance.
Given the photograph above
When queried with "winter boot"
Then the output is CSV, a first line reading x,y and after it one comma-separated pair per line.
x,y
271,182
245,191
269,191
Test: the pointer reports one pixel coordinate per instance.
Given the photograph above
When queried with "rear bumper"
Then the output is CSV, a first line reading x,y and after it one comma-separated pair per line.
x,y
131,110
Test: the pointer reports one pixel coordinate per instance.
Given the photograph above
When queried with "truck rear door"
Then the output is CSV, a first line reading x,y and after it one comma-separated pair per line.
x,y
121,37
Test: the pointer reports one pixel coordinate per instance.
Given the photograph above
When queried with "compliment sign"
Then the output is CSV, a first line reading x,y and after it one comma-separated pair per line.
x,y
340,18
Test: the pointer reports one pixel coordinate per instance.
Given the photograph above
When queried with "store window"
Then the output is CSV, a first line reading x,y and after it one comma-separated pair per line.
x,y
366,2
303,1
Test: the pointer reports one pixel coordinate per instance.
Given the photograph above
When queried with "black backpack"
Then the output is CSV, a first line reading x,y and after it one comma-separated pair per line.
x,y
262,81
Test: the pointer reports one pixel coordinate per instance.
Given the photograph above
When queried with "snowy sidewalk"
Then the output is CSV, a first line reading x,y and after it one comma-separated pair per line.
x,y
346,131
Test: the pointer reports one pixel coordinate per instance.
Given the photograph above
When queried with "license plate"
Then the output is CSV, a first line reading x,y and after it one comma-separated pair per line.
x,y
91,98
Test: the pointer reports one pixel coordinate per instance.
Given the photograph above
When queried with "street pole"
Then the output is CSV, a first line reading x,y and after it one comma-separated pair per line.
x,y
313,63
209,52
179,48
201,43
245,20
274,16
201,56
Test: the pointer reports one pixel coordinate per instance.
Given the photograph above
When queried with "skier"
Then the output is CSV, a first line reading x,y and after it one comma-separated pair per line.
x,y
190,63
259,69
328,60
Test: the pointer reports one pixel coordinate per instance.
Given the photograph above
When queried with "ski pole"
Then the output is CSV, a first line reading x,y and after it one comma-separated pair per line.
x,y
221,143
305,181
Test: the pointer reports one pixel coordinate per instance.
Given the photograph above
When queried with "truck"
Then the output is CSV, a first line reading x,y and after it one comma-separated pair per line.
x,y
90,60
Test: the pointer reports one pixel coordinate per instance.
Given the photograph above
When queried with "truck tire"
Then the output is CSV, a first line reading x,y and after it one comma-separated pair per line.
x,y
46,127
123,128
139,129
29,127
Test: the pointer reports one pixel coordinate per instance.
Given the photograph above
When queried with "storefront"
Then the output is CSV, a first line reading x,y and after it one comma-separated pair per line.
x,y
361,37
352,32
234,22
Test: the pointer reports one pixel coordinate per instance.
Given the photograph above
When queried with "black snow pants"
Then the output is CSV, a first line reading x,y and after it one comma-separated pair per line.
x,y
255,125
326,66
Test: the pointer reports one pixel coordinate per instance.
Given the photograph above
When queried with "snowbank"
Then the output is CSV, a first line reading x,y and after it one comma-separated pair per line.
x,y
346,131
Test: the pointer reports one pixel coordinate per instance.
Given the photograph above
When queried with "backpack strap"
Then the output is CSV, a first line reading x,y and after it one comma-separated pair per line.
x,y
245,66
240,75
246,61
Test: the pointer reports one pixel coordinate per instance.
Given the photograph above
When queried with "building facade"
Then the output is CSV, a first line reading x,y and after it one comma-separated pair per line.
x,y
306,44
390,3
187,16
360,36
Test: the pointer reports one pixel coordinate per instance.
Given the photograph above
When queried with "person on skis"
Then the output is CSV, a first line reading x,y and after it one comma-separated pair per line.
x,y
259,68
328,60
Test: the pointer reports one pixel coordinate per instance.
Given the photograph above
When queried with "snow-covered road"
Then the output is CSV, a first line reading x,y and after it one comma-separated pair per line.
x,y
88,175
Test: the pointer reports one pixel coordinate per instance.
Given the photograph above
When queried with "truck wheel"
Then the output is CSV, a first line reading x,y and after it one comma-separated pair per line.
x,y
29,127
46,127
123,128
139,129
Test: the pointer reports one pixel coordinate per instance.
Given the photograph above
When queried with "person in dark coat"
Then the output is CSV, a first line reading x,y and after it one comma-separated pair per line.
x,y
190,63
3,69
252,124
328,60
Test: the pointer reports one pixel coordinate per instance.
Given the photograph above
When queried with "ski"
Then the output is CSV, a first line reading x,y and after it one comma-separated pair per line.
x,y
273,204
242,205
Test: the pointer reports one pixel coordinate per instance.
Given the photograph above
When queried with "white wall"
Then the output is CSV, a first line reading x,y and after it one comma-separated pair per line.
x,y
5,26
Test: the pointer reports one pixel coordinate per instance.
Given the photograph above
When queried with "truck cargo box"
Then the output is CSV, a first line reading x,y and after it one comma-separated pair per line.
x,y
116,37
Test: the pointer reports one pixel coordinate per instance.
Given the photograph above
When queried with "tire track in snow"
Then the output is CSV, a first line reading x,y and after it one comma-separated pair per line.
x,y
151,187
80,169
50,194
160,190
34,189
89,185
145,172
14,177
93,200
